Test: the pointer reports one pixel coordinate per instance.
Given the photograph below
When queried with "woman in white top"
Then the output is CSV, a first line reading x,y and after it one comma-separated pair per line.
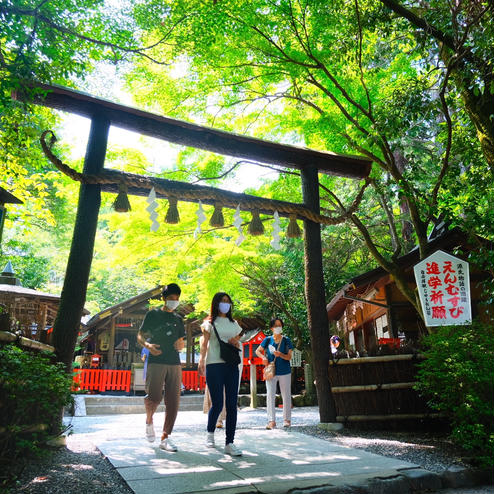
x,y
220,376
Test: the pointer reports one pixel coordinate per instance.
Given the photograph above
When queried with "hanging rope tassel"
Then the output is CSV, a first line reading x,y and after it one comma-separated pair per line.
x,y
121,203
255,226
293,230
172,217
217,219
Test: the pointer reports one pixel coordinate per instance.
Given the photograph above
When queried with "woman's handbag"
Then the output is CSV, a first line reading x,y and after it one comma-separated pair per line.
x,y
228,352
270,370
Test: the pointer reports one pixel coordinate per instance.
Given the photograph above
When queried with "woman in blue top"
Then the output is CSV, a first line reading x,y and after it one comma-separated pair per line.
x,y
277,348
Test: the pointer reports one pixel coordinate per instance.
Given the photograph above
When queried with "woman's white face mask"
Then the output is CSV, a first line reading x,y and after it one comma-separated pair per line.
x,y
277,330
172,304
224,307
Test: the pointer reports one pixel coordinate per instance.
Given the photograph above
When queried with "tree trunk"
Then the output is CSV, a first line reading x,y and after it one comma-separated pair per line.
x,y
73,296
316,304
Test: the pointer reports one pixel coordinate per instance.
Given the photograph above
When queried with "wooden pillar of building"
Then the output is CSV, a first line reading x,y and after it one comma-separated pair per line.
x,y
189,348
81,251
315,298
111,345
253,385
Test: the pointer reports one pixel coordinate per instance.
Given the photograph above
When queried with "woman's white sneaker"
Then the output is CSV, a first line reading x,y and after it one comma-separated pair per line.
x,y
232,450
210,440
150,435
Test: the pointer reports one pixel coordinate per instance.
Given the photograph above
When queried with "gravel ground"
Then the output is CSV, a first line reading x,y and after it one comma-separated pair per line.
x,y
77,468
81,468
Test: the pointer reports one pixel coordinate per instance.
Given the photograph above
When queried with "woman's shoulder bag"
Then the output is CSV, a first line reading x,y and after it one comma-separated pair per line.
x,y
270,370
228,352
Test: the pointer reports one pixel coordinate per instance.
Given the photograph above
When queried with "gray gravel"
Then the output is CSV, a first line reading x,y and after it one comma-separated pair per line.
x,y
80,467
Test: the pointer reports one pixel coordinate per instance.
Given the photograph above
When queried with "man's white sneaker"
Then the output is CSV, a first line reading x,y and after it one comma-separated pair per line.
x,y
232,450
210,440
150,435
167,445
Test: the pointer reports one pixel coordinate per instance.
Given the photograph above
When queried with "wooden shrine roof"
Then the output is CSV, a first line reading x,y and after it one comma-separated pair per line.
x,y
207,138
21,291
361,284
126,305
7,197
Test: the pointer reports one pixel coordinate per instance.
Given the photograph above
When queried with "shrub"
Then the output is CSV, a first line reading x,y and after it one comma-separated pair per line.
x,y
33,391
457,378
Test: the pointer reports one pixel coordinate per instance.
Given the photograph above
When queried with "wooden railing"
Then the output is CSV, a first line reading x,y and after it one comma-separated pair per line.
x,y
192,381
101,380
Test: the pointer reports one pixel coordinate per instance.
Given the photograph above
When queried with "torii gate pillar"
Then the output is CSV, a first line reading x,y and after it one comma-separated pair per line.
x,y
82,247
317,315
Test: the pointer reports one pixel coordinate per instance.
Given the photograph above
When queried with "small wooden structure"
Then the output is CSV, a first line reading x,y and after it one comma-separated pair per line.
x,y
370,311
374,318
30,312
112,332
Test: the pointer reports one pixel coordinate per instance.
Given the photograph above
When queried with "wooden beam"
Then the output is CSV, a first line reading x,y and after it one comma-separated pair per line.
x,y
209,139
390,416
372,360
372,387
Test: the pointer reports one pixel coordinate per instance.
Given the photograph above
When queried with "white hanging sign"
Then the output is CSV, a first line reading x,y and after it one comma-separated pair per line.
x,y
275,243
443,282
237,221
151,209
351,336
296,360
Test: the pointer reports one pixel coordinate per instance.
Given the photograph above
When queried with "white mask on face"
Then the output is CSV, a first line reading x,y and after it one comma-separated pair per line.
x,y
172,304
277,330
224,307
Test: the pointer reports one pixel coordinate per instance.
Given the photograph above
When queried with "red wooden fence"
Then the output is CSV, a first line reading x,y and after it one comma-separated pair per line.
x,y
101,380
246,373
192,381
119,380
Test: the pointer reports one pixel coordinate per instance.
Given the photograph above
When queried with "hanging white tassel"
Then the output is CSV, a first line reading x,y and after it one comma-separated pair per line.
x,y
201,218
275,243
151,209
237,222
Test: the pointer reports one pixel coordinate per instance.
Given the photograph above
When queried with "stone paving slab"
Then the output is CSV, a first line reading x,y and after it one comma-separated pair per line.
x,y
272,463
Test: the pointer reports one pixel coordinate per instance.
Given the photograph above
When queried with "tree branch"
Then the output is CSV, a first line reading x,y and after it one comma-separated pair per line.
x,y
66,31
437,34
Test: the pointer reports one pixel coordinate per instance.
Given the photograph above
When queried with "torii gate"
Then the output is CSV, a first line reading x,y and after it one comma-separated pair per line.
x,y
103,114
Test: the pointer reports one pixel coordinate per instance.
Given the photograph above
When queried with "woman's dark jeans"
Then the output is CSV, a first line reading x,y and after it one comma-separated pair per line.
x,y
221,377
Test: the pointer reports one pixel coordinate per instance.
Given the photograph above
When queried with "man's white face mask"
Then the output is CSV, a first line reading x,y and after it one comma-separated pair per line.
x,y
172,304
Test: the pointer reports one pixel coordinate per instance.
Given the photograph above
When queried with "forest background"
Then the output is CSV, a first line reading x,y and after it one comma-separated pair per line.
x,y
409,85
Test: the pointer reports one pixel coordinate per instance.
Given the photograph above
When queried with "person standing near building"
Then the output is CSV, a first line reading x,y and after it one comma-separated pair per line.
x,y
278,348
334,343
162,332
221,377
